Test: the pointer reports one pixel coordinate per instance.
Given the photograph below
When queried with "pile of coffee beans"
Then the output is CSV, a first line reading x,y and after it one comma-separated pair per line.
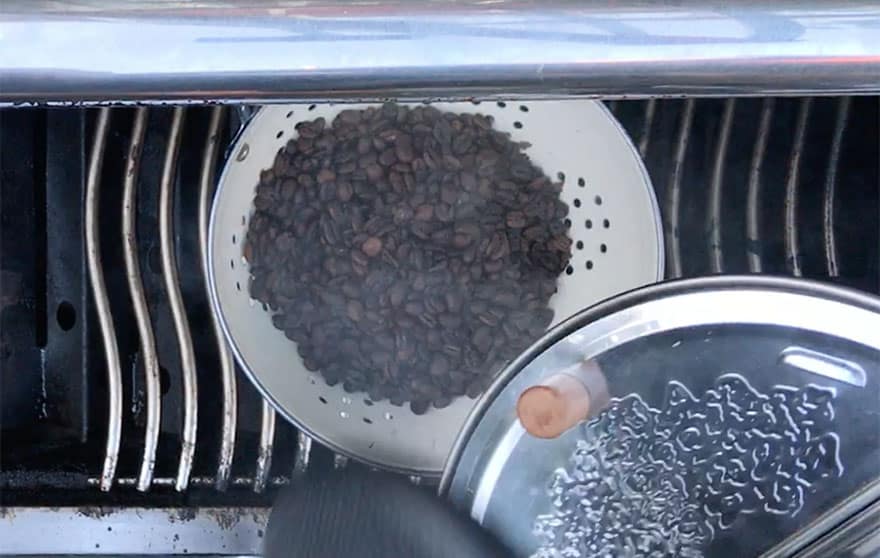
x,y
408,252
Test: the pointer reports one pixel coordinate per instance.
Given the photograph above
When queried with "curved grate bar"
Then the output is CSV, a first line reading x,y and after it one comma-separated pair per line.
x,y
792,187
139,301
673,192
648,123
264,456
831,260
303,453
753,195
102,300
716,190
175,300
227,365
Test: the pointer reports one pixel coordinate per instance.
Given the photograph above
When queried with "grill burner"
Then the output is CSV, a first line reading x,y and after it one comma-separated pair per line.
x,y
782,186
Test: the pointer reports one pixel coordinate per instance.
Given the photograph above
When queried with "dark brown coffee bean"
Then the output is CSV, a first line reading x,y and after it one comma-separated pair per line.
x,y
413,308
442,402
397,293
403,148
424,212
474,389
439,366
350,116
419,407
355,310
372,246
461,240
387,158
288,189
516,219
344,191
358,258
364,146
325,176
374,173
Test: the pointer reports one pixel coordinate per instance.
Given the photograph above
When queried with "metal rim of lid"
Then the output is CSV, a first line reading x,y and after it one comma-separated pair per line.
x,y
657,274
634,298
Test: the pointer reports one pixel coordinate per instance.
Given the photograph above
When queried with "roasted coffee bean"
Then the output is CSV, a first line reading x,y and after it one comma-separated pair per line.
x,y
387,158
355,310
424,212
403,148
372,246
325,175
439,366
419,407
344,191
444,213
408,253
516,219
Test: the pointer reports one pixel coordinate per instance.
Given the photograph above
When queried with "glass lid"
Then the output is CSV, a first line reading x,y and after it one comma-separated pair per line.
x,y
734,414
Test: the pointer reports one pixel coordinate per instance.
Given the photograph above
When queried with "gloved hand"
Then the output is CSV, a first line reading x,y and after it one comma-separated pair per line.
x,y
356,513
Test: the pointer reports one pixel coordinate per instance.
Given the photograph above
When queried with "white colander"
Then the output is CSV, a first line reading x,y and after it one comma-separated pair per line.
x,y
615,226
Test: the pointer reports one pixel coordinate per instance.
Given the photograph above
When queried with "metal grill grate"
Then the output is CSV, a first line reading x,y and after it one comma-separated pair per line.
x,y
223,374
783,186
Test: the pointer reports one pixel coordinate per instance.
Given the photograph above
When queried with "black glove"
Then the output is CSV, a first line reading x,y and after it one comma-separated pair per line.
x,y
356,513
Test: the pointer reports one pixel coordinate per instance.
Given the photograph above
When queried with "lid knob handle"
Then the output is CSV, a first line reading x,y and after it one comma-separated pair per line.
x,y
562,400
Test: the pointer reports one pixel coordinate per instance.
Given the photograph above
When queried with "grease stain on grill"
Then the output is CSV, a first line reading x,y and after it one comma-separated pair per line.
x,y
226,519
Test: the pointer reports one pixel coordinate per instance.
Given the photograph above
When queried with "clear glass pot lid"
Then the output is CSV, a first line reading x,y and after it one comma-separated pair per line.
x,y
741,412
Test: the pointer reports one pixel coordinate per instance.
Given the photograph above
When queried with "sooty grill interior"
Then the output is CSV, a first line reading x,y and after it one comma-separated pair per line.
x,y
779,186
